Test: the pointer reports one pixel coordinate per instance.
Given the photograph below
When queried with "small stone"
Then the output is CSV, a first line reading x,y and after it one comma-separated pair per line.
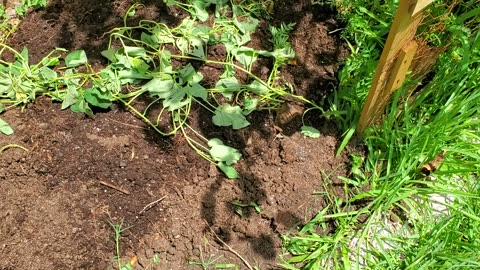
x,y
123,163
271,200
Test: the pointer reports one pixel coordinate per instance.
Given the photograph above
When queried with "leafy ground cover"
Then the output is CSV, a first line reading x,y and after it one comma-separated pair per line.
x,y
70,180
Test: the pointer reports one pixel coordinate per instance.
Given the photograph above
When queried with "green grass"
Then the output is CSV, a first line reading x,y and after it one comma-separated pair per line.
x,y
118,229
389,184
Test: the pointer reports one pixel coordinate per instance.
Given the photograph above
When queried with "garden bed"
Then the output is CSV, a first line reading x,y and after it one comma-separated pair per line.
x,y
81,174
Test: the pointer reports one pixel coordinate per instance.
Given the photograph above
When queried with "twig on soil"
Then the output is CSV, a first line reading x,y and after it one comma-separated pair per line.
x,y
114,187
151,205
228,247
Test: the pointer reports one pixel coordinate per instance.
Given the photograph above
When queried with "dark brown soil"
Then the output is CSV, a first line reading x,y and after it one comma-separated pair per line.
x,y
55,212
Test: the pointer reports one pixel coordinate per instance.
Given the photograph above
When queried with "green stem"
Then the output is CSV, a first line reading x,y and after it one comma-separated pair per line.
x,y
146,120
13,146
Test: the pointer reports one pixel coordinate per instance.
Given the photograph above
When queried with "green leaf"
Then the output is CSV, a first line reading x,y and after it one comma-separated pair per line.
x,y
5,128
170,3
229,171
109,54
246,56
177,99
189,75
229,85
98,98
309,131
81,107
163,35
247,26
133,51
70,98
197,90
200,7
47,74
160,86
182,44
132,76
196,48
223,153
257,88
76,58
228,115
249,105
47,61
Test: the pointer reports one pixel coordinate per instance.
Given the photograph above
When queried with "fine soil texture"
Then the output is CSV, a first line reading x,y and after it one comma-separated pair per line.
x,y
79,176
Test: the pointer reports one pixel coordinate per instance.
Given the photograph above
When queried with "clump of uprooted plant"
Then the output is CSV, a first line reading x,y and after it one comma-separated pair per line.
x,y
141,64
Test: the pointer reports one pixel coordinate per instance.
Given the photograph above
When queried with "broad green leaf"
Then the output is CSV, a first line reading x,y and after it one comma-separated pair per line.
x,y
165,61
229,171
81,107
109,54
132,76
189,75
133,51
98,98
246,56
249,105
47,73
197,90
309,131
5,83
160,86
163,34
197,48
228,115
177,99
200,7
122,61
5,128
76,58
182,44
170,3
70,98
202,31
223,153
150,40
140,66
228,86
257,88
246,27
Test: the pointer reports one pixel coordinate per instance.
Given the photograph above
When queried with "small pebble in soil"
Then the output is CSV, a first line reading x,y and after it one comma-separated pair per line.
x,y
123,163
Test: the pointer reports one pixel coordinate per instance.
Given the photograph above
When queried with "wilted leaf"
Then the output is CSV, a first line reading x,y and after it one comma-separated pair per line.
x,y
160,86
309,131
5,128
229,171
228,115
246,56
76,58
70,98
98,98
197,90
223,153
257,88
249,105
